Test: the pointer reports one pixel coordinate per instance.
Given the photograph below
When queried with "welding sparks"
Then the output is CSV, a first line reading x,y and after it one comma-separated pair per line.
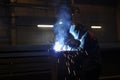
x,y
72,65
69,70
74,73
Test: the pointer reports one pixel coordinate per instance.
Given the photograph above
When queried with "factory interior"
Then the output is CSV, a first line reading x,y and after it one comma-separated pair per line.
x,y
26,48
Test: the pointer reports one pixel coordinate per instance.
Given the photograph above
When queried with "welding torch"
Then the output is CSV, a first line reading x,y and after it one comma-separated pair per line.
x,y
71,42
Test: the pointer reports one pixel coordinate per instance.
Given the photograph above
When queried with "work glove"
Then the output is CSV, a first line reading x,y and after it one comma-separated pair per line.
x,y
71,42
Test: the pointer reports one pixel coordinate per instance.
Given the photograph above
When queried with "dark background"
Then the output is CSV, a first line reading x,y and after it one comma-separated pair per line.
x,y
24,47
19,20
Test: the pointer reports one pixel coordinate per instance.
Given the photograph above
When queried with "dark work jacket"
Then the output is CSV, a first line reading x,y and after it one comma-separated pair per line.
x,y
90,46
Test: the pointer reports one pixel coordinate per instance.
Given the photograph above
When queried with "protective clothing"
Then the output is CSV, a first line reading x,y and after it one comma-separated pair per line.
x,y
91,61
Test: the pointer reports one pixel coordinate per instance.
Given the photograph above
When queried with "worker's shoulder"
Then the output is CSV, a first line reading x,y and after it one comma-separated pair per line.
x,y
90,35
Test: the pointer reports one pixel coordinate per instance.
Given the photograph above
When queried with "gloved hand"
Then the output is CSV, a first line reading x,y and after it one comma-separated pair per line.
x,y
74,43
71,42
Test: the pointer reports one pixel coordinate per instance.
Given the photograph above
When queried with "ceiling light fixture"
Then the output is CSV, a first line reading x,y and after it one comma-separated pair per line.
x,y
45,26
96,27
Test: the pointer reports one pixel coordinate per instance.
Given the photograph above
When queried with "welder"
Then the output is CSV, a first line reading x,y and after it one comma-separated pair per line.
x,y
85,40
88,64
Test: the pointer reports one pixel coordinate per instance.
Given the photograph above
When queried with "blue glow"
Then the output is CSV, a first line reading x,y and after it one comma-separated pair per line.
x,y
60,22
72,31
61,28
83,40
61,47
57,46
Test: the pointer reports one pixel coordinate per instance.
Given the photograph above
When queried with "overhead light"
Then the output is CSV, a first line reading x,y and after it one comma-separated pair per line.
x,y
96,27
45,26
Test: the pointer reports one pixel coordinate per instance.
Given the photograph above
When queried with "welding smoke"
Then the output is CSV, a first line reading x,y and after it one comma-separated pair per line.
x,y
62,25
63,18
